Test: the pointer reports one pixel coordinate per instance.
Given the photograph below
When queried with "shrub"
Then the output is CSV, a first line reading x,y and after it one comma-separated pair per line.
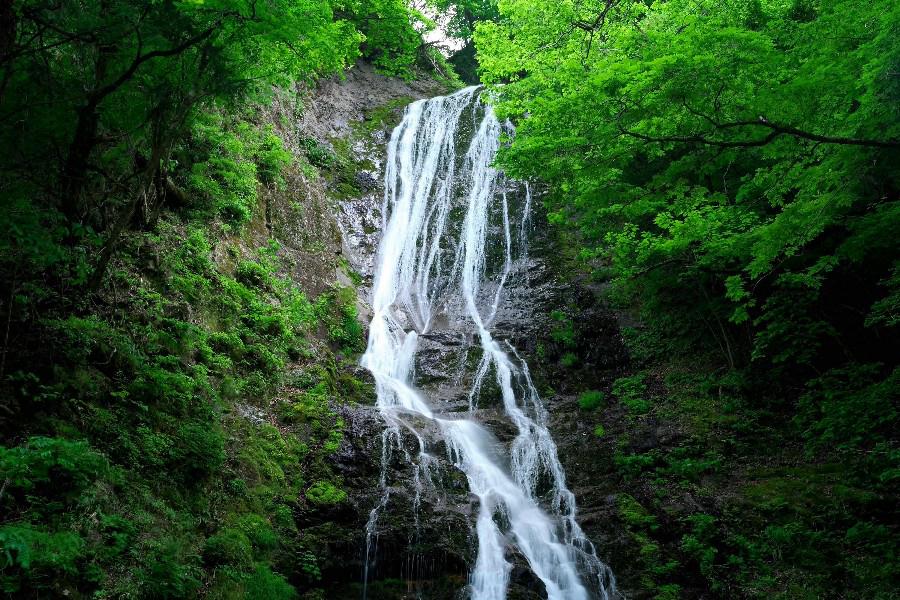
x,y
317,154
194,254
271,157
686,464
563,331
263,584
118,535
849,408
93,339
54,466
38,553
591,400
229,547
630,392
227,343
226,177
253,274
155,448
337,310
633,514
258,531
201,450
569,360
167,573
632,465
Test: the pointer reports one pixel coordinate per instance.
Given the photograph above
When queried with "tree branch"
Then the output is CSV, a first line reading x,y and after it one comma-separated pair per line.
x,y
599,20
140,59
775,129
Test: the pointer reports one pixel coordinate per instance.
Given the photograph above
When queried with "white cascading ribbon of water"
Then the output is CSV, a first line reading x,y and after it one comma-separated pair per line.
x,y
423,181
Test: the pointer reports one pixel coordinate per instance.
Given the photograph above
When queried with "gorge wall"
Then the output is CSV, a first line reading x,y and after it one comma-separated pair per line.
x,y
423,543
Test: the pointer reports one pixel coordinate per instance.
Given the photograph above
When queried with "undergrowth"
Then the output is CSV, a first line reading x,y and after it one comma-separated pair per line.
x,y
143,455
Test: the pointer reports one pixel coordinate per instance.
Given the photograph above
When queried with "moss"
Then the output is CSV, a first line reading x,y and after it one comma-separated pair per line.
x,y
383,117
633,514
264,584
355,277
338,313
569,360
325,493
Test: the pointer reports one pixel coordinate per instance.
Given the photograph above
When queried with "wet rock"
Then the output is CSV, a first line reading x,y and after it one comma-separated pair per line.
x,y
424,541
366,181
523,583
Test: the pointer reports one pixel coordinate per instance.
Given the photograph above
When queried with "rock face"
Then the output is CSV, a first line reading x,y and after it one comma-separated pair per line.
x,y
338,106
422,543
529,320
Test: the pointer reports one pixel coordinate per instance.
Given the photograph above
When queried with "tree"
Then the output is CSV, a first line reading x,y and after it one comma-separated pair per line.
x,y
735,165
97,93
462,18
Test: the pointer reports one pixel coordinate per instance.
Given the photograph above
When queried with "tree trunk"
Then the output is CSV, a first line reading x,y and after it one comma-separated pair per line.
x,y
7,28
75,170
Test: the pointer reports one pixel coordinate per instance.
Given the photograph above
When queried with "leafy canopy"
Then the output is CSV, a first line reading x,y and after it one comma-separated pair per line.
x,y
733,164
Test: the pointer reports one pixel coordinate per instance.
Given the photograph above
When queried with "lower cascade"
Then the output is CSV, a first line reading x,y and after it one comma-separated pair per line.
x,y
454,233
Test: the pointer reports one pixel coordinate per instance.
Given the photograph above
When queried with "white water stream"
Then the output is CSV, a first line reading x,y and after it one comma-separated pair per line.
x,y
428,267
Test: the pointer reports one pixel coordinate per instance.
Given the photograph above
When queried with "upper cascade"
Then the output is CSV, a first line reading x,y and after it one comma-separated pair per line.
x,y
453,229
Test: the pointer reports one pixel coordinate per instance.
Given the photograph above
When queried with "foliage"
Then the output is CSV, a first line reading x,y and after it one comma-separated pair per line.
x,y
849,408
38,553
144,317
591,400
465,14
630,391
462,17
102,92
734,214
228,161
140,447
392,31
325,493
263,583
50,465
731,168
337,310
229,547
166,573
563,331
128,106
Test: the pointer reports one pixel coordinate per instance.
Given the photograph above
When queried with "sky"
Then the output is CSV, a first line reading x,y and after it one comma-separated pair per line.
x,y
438,36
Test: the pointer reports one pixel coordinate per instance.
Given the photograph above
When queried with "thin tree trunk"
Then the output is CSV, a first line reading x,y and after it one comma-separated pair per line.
x,y
9,308
75,170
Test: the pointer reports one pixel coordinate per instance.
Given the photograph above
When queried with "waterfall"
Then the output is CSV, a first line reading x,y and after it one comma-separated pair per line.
x,y
433,266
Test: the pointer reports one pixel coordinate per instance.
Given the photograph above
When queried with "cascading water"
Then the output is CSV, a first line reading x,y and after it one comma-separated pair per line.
x,y
433,266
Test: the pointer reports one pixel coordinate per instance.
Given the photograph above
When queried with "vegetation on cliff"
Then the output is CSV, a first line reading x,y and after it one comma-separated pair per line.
x,y
167,388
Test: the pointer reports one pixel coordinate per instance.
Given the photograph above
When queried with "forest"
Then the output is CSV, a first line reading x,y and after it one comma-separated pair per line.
x,y
726,173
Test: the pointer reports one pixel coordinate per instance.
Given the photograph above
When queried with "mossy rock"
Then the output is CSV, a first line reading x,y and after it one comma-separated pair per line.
x,y
325,493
